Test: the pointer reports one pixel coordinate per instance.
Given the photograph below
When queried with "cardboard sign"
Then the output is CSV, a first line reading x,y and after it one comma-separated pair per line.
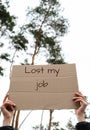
x,y
43,86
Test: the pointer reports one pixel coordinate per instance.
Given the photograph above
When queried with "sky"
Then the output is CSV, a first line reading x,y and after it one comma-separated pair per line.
x,y
75,44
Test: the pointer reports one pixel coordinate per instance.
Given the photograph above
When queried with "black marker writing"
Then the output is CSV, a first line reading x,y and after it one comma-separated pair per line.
x,y
40,85
56,72
34,71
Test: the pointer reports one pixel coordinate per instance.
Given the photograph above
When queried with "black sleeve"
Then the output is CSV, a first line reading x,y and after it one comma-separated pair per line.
x,y
6,128
83,126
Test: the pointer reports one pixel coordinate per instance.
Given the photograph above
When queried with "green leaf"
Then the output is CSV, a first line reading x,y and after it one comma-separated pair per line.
x,y
5,56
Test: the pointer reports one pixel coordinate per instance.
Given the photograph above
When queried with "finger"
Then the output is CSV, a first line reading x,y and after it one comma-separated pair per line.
x,y
79,94
10,108
81,100
9,103
3,109
6,98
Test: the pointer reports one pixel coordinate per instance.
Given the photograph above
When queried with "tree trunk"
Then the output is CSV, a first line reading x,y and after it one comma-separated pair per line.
x,y
17,120
50,120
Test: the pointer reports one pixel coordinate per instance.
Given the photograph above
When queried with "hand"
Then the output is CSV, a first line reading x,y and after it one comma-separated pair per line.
x,y
8,109
79,98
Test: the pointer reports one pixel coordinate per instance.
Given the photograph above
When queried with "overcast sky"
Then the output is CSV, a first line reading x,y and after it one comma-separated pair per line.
x,y
75,44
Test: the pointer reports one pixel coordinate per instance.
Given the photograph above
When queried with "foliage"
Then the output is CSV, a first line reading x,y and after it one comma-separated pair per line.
x,y
47,26
43,30
55,126
13,40
70,125
19,41
44,27
7,21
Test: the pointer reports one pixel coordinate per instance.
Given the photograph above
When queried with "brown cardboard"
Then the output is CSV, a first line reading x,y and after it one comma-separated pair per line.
x,y
43,86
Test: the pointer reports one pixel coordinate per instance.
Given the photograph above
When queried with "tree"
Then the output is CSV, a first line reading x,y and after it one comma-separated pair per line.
x,y
70,125
7,24
46,26
11,39
7,21
54,126
39,36
42,33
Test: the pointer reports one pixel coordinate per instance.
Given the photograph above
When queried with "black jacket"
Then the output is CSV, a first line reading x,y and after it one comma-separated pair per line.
x,y
83,126
6,128
79,126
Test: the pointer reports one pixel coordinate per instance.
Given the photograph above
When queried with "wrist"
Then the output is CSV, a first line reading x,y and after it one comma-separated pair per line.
x,y
6,122
81,118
